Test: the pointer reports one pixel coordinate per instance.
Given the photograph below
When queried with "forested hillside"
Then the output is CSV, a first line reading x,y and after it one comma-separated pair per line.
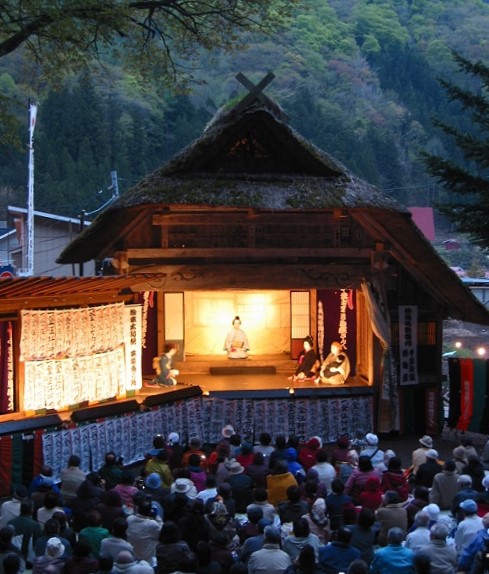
x,y
356,77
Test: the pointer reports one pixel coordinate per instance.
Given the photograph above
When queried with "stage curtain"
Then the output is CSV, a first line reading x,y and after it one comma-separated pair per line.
x,y
6,466
388,413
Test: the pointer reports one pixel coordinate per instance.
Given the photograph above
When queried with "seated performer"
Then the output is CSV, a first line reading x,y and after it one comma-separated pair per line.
x,y
165,373
306,362
336,366
236,343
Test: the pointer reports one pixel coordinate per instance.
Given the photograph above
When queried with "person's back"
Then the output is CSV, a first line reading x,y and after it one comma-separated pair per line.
x,y
270,559
337,555
393,558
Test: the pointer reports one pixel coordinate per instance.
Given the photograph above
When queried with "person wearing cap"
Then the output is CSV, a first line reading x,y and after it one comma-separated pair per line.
x,y
183,487
442,556
419,455
241,486
270,559
306,361
445,486
54,556
372,450
336,366
127,564
175,450
427,471
468,562
236,342
468,527
143,530
465,491
159,464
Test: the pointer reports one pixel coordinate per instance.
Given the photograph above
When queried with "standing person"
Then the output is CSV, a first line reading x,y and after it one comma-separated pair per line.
x,y
236,343
143,531
270,559
306,362
71,478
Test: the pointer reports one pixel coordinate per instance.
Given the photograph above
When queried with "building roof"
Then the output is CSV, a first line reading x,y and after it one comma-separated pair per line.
x,y
251,159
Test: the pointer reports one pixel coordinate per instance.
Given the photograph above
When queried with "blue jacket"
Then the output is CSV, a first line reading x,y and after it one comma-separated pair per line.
x,y
337,556
466,562
393,559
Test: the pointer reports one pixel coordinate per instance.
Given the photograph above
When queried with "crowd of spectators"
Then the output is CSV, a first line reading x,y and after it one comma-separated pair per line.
x,y
273,507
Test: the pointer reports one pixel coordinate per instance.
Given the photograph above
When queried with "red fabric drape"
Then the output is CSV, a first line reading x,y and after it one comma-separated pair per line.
x,y
466,393
6,466
38,454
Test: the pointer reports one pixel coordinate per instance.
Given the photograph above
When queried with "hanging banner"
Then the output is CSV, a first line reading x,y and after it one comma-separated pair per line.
x,y
408,329
133,316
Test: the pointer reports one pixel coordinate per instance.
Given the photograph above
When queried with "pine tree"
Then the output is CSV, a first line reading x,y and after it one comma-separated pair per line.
x,y
467,201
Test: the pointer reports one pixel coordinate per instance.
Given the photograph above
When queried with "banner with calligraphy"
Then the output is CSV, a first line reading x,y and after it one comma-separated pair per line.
x,y
408,341
130,436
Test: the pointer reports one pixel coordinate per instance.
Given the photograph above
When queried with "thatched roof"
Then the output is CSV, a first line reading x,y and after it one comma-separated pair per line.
x,y
275,168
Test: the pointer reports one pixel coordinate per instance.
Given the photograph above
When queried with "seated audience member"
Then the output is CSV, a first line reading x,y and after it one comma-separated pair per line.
x,y
326,471
308,453
300,536
317,517
391,514
170,549
278,481
260,500
295,468
11,508
336,556
475,469
270,558
195,447
294,507
339,455
81,562
372,496
418,502
258,470
468,527
143,531
159,464
393,479
111,470
127,564
249,527
126,490
335,503
304,563
372,450
428,470
54,557
393,558
351,464
420,536
468,561
445,486
116,543
24,525
51,530
465,492
442,556
7,547
280,451
419,455
364,533
220,521
110,508
336,366
89,494
245,457
241,486
94,533
264,446
210,490
355,484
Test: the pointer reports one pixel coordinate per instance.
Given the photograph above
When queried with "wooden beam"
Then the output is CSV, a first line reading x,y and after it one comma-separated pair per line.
x,y
225,218
46,302
248,253
247,276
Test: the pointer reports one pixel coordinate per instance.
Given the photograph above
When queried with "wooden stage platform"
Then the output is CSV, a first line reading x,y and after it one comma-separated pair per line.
x,y
253,377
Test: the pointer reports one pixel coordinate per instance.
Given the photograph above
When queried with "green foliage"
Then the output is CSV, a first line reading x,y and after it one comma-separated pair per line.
x,y
467,203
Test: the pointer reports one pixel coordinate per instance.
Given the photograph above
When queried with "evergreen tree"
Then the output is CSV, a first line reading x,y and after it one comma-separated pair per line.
x,y
467,203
